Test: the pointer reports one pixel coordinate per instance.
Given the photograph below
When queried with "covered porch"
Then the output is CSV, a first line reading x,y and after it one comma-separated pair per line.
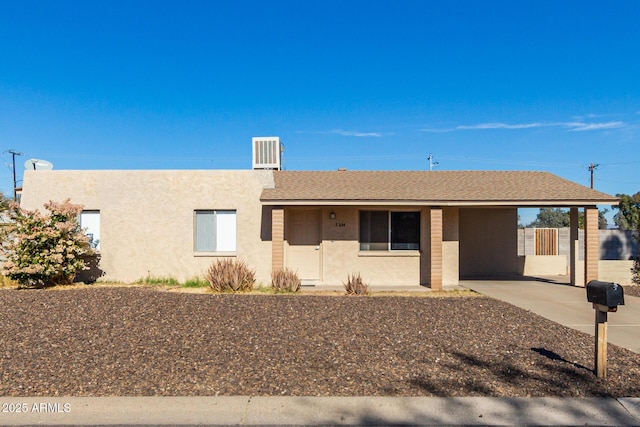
x,y
418,228
324,244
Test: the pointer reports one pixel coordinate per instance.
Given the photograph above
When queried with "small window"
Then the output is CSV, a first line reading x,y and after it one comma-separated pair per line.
x,y
215,231
374,230
405,230
90,224
385,230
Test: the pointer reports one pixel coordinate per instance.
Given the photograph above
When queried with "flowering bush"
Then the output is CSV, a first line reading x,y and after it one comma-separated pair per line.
x,y
41,250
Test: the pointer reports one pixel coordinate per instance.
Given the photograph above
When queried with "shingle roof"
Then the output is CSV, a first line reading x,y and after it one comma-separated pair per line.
x,y
430,188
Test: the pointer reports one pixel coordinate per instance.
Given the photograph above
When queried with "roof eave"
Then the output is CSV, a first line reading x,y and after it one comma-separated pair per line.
x,y
453,203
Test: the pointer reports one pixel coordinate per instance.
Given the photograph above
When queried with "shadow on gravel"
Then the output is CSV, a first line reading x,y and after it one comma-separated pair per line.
x,y
555,356
495,377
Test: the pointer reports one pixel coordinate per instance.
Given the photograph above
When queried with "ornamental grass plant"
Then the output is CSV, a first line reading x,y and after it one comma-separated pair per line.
x,y
355,285
230,275
285,281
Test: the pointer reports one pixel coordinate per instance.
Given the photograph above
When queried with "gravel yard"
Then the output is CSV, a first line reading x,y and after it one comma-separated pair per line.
x,y
632,290
101,341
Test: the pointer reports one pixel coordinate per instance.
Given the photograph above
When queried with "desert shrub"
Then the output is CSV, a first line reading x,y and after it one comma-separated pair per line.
x,y
230,275
355,285
635,272
285,280
44,249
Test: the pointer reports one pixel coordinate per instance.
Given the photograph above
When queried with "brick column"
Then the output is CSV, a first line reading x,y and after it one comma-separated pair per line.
x,y
591,250
277,239
574,252
435,275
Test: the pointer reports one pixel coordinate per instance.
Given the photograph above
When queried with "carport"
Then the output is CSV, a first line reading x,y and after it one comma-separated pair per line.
x,y
488,242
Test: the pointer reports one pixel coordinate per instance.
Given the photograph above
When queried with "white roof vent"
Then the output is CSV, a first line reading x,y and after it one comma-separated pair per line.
x,y
267,152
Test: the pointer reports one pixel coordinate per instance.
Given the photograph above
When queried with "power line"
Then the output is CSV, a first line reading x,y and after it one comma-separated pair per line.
x,y
618,182
619,163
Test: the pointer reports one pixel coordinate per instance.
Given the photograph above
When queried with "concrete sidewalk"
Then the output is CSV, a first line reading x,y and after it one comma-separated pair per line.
x,y
245,410
566,305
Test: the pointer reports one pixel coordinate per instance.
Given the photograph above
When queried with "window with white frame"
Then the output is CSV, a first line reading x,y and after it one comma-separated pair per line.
x,y
389,230
90,224
215,231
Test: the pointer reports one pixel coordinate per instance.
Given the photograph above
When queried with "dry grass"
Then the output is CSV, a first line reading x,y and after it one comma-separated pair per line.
x,y
263,290
5,282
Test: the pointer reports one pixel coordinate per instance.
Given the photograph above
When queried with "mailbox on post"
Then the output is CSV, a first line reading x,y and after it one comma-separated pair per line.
x,y
605,294
605,297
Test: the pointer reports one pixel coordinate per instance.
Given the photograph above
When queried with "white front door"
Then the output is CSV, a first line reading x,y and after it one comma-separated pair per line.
x,y
305,251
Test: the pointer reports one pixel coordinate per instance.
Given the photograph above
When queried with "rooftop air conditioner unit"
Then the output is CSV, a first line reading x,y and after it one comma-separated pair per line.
x,y
267,152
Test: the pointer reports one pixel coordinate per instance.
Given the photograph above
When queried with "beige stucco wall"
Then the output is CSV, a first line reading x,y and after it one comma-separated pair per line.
x,y
543,265
450,264
615,271
450,247
147,226
608,271
341,254
340,251
488,241
147,217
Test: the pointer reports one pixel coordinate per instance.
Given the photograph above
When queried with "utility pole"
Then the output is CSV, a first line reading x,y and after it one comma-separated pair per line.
x,y
14,153
431,162
592,167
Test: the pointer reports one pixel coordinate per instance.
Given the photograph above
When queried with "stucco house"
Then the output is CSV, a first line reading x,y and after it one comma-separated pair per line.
x,y
397,228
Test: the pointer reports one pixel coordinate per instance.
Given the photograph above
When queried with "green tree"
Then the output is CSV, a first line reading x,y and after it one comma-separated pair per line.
x,y
628,218
41,250
551,218
628,215
602,220
559,218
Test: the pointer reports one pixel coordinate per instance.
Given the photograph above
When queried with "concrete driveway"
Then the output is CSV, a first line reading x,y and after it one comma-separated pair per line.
x,y
554,299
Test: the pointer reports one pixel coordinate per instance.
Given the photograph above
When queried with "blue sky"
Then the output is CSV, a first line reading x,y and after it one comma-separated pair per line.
x,y
497,85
